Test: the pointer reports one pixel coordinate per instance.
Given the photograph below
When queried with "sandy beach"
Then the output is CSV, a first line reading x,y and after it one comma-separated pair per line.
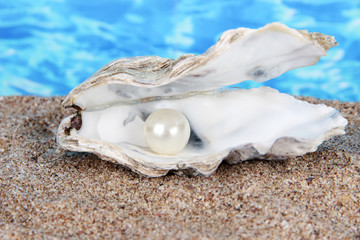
x,y
50,193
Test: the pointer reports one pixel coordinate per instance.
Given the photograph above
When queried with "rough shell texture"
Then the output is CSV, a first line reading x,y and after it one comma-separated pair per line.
x,y
134,87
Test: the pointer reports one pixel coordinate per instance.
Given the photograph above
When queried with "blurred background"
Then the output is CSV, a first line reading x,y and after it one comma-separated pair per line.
x,y
49,47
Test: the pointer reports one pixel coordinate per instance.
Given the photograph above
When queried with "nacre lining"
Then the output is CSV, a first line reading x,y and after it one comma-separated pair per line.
x,y
219,123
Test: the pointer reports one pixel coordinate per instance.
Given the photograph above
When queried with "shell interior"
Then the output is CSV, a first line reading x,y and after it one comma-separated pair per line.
x,y
220,121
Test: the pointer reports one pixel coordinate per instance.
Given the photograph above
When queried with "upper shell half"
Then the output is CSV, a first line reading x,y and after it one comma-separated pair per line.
x,y
113,104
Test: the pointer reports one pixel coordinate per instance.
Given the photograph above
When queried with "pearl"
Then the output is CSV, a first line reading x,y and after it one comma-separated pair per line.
x,y
167,131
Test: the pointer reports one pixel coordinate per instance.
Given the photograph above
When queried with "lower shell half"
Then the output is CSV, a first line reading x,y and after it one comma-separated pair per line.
x,y
254,123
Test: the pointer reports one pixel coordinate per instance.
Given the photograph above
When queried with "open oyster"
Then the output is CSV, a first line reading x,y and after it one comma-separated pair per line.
x,y
113,104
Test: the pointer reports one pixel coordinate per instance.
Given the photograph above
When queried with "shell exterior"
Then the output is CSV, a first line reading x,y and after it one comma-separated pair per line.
x,y
257,123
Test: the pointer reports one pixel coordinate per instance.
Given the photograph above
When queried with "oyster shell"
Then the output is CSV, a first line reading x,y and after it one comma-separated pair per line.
x,y
113,104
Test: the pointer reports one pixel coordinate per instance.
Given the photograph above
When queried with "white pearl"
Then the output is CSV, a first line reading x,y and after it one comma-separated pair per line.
x,y
167,131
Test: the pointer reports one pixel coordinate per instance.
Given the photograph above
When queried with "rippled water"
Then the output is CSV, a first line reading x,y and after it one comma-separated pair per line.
x,y
48,47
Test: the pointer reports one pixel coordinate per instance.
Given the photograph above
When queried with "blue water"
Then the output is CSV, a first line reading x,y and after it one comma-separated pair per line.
x,y
49,47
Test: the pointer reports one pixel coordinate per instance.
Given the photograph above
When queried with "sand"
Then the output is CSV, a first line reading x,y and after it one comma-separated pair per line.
x,y
50,193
